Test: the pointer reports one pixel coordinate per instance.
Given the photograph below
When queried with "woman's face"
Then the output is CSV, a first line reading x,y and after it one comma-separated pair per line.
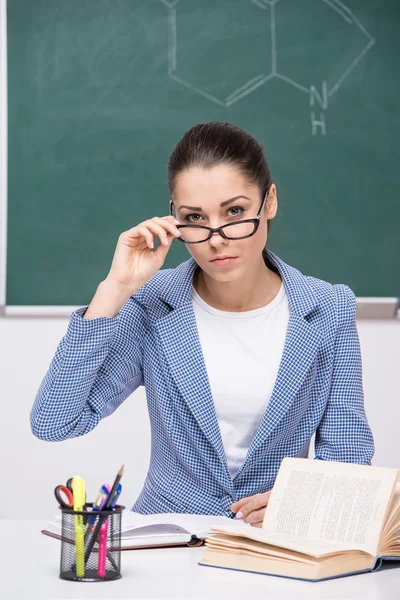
x,y
197,199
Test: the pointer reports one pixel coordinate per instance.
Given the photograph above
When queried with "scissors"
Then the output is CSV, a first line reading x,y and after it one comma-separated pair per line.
x,y
64,494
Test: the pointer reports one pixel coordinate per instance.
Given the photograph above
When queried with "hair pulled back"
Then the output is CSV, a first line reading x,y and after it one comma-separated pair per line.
x,y
208,145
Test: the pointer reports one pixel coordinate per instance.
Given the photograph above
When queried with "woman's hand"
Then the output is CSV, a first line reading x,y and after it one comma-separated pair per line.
x,y
135,261
252,508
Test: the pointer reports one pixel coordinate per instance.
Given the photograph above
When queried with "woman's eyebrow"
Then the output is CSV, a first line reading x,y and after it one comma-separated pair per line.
x,y
224,203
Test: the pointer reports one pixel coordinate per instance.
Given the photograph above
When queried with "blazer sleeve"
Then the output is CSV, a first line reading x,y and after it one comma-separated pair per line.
x,y
343,433
97,365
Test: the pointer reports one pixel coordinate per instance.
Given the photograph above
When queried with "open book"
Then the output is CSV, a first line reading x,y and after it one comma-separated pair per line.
x,y
324,519
158,530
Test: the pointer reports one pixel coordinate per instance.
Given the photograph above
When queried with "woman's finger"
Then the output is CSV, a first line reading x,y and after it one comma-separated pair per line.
x,y
162,249
157,226
236,506
168,224
148,236
256,516
156,230
255,502
148,230
163,229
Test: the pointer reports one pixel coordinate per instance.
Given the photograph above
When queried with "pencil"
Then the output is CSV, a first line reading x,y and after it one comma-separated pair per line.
x,y
114,488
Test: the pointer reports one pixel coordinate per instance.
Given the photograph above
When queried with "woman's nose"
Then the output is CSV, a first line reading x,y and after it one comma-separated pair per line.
x,y
217,240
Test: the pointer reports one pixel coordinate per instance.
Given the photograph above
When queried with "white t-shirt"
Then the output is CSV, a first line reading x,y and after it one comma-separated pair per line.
x,y
242,352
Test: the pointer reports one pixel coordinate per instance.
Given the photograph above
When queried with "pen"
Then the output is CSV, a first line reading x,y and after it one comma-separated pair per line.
x,y
116,496
100,501
93,534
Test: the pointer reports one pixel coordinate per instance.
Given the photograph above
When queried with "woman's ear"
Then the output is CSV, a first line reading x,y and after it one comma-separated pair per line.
x,y
272,203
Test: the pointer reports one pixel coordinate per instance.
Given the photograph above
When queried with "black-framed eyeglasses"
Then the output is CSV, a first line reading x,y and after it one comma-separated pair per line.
x,y
196,234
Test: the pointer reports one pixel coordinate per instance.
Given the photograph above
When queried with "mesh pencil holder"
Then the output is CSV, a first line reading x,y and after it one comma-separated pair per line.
x,y
91,544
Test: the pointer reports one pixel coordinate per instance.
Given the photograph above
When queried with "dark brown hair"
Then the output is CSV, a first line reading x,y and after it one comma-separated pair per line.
x,y
210,144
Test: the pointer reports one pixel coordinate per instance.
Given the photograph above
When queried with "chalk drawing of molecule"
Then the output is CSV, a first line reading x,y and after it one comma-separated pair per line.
x,y
239,48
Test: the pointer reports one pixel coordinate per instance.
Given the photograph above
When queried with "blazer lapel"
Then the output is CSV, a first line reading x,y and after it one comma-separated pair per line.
x,y
302,342
178,336
300,349
170,307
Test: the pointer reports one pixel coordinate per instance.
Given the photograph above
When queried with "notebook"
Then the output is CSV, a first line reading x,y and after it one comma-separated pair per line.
x,y
158,530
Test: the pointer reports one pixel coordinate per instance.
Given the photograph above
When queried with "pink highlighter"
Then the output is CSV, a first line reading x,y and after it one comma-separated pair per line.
x,y
102,557
102,552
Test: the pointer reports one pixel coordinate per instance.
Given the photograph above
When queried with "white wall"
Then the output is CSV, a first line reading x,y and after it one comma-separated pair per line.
x,y
31,468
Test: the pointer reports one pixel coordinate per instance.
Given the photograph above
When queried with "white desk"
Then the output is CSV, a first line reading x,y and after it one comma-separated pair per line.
x,y
29,563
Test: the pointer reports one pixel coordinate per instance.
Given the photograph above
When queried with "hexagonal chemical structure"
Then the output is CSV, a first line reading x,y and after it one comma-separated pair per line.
x,y
209,43
326,41
318,46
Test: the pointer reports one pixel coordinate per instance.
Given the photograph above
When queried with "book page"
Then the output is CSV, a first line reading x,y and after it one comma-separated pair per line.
x,y
199,525
332,502
133,521
315,548
137,525
391,531
393,515
155,531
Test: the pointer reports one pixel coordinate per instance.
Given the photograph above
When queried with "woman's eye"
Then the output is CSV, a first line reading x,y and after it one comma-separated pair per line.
x,y
238,208
188,218
235,211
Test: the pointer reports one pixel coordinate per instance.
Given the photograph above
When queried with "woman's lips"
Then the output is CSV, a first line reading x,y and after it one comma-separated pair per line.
x,y
224,262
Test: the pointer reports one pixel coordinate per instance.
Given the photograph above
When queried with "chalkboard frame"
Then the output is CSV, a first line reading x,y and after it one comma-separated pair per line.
x,y
367,307
3,151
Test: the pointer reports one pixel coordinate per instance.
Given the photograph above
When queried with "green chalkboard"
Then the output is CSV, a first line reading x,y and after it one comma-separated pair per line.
x,y
100,91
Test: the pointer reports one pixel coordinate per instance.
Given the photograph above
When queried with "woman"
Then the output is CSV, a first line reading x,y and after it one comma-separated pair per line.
x,y
243,358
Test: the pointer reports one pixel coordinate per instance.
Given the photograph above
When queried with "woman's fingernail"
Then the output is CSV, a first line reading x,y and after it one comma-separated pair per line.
x,y
176,222
239,515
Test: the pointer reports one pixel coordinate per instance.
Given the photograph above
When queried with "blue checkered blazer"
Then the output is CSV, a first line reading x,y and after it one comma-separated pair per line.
x,y
154,342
